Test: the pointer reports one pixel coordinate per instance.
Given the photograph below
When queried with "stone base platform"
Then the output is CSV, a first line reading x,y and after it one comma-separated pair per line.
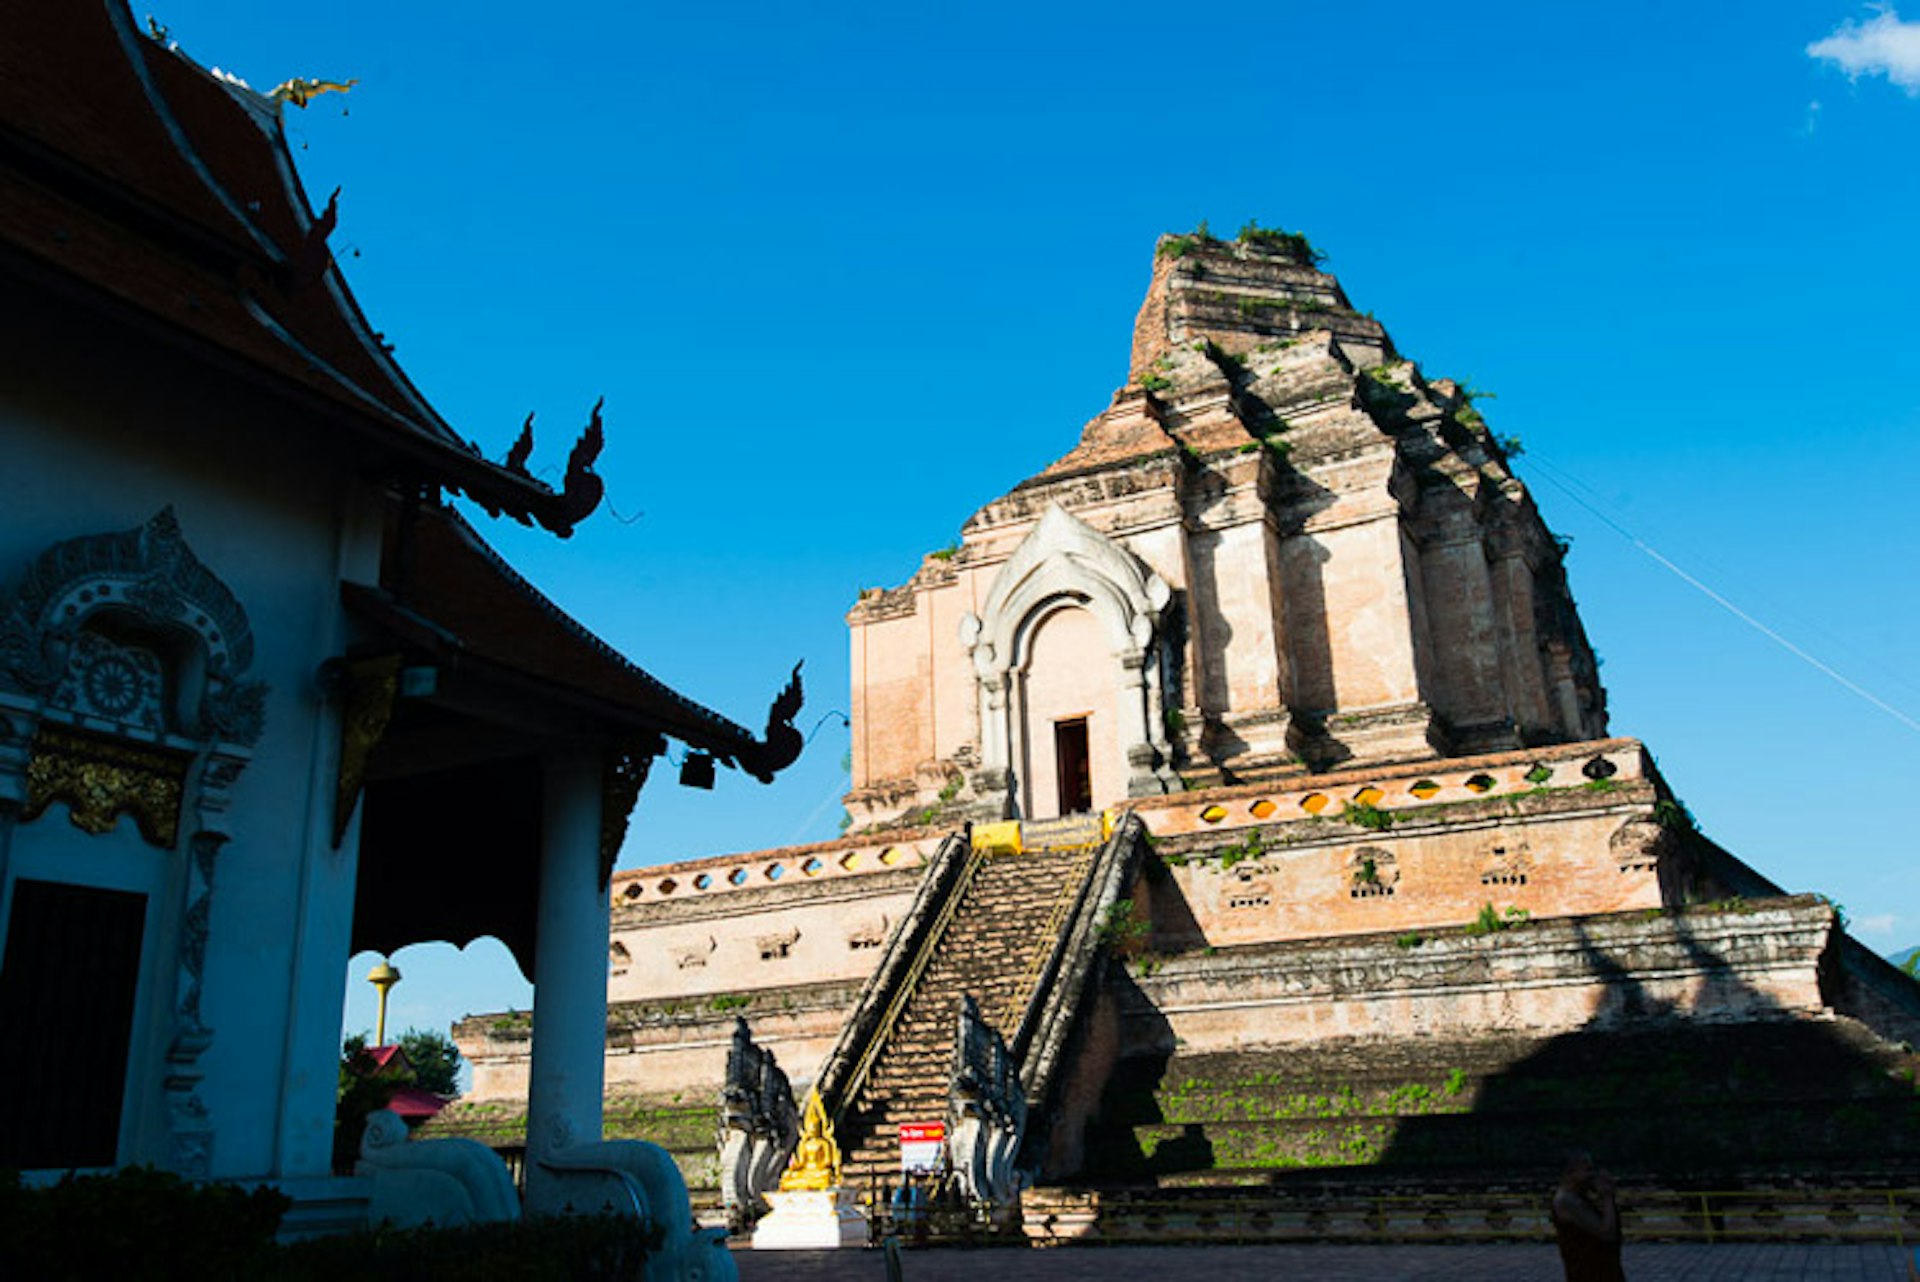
x,y
811,1220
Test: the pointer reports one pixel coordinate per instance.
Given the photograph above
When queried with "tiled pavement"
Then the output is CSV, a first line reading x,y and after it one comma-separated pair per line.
x,y
1648,1262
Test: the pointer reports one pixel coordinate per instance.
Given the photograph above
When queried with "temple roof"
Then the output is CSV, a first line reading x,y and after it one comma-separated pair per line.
x,y
166,195
457,599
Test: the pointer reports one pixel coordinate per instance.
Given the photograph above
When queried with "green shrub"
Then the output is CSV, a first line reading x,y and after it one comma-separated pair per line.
x,y
1122,931
137,1223
1492,921
1292,242
556,1249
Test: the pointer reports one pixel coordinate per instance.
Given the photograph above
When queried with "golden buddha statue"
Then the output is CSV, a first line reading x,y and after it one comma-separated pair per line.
x,y
816,1158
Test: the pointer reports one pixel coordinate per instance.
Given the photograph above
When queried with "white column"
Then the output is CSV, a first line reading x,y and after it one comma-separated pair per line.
x,y
569,977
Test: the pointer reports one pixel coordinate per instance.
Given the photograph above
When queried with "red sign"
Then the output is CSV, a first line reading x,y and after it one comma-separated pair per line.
x,y
920,1146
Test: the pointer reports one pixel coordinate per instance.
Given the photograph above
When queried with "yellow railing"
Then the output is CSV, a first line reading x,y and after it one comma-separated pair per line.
x,y
1063,902
929,945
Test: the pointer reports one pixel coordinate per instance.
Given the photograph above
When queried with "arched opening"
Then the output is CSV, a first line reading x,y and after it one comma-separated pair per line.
x,y
1069,752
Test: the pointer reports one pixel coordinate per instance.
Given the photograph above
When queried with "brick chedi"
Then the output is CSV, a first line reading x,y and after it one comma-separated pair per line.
x,y
1366,883
1279,548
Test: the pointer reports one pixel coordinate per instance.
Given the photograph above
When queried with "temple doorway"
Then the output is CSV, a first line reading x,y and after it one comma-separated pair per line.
x,y
1073,767
1070,759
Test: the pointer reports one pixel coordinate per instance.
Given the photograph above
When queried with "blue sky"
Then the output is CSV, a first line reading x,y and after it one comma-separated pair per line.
x,y
845,273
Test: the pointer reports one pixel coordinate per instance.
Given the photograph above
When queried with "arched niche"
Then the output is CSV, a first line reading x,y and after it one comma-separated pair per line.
x,y
1063,566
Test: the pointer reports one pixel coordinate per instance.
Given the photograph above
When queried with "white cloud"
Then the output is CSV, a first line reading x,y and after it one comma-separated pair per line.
x,y
1882,45
1877,924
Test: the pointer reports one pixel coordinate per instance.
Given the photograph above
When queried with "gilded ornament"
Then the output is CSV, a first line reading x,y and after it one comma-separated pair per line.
x,y
101,779
372,686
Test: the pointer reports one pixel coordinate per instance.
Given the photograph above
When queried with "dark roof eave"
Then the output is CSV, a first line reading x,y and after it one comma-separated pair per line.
x,y
491,485
724,740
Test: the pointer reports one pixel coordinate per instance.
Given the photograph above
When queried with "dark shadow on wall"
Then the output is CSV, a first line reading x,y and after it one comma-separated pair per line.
x,y
1745,1092
1686,1100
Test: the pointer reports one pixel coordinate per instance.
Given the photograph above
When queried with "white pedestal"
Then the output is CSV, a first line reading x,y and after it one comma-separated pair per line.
x,y
810,1220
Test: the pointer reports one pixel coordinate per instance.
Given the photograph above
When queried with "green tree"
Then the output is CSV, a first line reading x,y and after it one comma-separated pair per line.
x,y
435,1060
362,1090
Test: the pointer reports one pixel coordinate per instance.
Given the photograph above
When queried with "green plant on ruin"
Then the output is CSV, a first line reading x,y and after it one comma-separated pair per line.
x,y
951,790
1293,242
1602,785
1409,941
1252,847
513,1023
1176,722
1155,382
723,1002
946,553
1122,930
1368,873
1252,308
1491,921
1364,814
1511,446
1673,816
1456,1081
1181,246
1840,916
1465,412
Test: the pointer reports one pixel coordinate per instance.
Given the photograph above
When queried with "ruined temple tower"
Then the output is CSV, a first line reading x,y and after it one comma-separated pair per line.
x,y
1281,547
1238,795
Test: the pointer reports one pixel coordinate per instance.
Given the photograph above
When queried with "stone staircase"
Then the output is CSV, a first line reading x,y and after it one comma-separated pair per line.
x,y
1011,912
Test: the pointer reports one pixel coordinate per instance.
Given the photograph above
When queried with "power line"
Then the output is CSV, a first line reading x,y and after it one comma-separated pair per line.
x,y
1568,487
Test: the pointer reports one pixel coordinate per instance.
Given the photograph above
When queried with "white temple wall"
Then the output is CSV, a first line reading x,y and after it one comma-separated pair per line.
x,y
757,939
91,452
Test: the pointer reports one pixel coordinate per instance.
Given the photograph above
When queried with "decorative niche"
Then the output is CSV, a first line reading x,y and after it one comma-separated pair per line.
x,y
124,687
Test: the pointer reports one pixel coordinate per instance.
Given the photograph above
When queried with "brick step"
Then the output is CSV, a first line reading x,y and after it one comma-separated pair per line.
x,y
987,952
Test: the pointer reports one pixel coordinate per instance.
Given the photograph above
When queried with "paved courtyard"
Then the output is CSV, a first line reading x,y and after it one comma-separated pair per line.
x,y
1651,1262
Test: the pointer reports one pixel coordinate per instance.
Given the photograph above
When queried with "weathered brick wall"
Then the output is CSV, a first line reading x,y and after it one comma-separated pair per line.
x,y
1574,830
1753,961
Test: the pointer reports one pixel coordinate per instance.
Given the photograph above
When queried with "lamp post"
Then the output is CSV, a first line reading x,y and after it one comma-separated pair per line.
x,y
383,977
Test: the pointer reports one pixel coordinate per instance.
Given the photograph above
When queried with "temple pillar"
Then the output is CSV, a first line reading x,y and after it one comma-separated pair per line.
x,y
1136,730
567,1072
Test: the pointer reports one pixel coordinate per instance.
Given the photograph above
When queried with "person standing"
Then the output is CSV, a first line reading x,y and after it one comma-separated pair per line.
x,y
1586,1221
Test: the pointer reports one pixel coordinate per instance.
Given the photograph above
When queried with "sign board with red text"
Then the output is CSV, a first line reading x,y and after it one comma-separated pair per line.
x,y
921,1144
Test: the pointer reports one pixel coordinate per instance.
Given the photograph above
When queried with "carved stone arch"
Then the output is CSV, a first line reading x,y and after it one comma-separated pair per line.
x,y
1064,562
150,578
